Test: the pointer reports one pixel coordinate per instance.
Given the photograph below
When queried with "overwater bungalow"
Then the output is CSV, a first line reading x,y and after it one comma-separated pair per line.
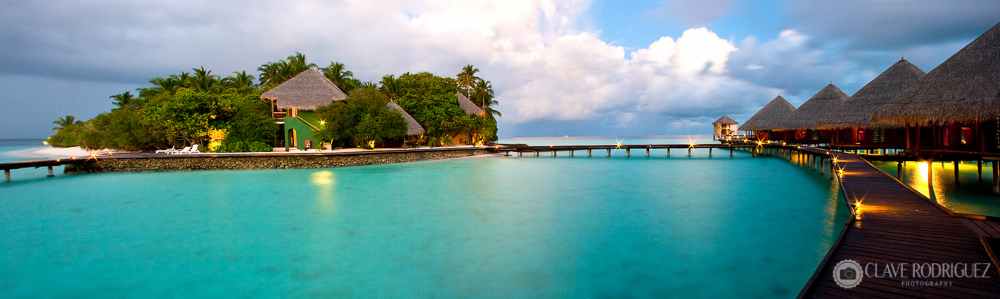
x,y
723,128
293,106
955,108
852,122
764,123
465,138
808,124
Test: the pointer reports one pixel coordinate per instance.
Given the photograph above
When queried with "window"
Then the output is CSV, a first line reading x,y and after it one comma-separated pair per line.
x,y
878,135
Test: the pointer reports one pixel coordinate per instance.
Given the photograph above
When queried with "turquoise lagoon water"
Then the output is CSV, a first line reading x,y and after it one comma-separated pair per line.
x,y
483,227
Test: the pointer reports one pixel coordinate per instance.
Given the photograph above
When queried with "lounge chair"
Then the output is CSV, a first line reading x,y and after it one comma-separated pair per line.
x,y
194,150
186,150
167,151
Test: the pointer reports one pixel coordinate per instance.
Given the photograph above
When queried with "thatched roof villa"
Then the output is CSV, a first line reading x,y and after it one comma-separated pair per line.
x,y
858,110
413,128
818,111
467,105
964,88
306,91
294,103
959,100
770,116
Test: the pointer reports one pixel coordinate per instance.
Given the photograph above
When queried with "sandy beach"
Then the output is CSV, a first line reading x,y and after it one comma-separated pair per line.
x,y
49,152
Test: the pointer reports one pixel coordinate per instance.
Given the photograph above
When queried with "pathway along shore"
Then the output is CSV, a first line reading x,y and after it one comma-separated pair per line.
x,y
244,161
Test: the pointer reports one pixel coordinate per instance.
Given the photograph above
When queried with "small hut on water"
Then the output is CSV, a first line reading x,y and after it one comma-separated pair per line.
x,y
764,123
294,103
723,128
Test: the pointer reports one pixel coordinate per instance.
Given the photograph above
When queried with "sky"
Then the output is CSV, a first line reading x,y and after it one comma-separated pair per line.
x,y
559,67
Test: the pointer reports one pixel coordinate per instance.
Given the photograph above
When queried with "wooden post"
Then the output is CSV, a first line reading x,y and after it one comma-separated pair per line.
x,y
689,152
710,152
832,172
6,175
822,165
50,172
979,169
899,171
647,152
628,152
519,153
570,153
553,153
996,177
668,152
930,178
536,153
955,165
588,152
730,152
814,162
609,152
907,137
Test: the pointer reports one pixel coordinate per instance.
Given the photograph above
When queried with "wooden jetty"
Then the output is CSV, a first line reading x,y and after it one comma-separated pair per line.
x,y
892,224
627,148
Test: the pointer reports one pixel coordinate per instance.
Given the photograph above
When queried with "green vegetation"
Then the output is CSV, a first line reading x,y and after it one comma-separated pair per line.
x,y
227,115
362,116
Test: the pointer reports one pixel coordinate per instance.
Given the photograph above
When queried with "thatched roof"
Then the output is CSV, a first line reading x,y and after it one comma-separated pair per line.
x,y
769,117
858,110
306,91
413,128
965,87
818,111
725,120
467,105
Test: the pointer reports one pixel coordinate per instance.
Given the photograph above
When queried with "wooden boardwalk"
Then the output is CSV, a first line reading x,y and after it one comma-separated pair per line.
x,y
893,225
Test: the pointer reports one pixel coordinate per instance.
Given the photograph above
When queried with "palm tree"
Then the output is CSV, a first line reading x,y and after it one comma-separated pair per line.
x,y
390,86
484,94
64,122
169,85
274,73
339,75
239,83
184,79
123,100
204,81
467,78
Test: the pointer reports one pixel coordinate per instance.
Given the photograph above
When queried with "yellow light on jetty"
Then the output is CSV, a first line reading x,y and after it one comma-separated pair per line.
x,y
322,122
72,157
57,160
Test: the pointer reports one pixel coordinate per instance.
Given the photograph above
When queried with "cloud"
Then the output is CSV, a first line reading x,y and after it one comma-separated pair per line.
x,y
543,67
894,24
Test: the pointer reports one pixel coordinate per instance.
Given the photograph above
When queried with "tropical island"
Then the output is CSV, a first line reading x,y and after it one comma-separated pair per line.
x,y
294,105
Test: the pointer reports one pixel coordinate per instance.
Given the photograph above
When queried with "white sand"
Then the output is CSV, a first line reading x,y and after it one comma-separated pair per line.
x,y
49,152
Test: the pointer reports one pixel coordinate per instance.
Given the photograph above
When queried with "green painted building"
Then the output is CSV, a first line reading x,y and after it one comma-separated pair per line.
x,y
294,106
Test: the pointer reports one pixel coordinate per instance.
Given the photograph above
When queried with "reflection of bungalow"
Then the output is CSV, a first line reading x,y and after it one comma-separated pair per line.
x,y
764,123
723,127
294,106
463,138
413,128
853,121
807,122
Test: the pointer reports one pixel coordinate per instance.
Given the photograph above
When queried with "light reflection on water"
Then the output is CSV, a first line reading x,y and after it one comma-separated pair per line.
x,y
970,196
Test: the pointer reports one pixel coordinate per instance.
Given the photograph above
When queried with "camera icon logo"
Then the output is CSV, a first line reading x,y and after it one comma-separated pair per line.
x,y
847,274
